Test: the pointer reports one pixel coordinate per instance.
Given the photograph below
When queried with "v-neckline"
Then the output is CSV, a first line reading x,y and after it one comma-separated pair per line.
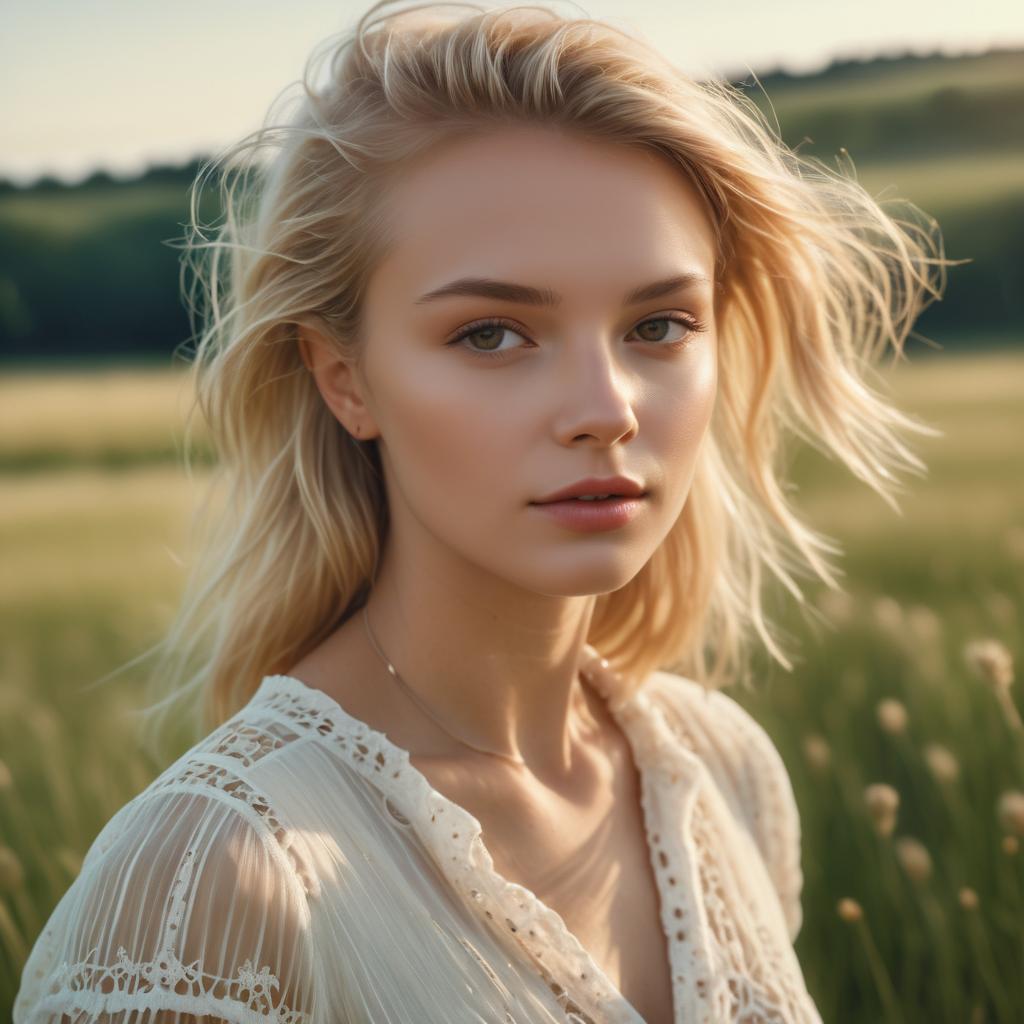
x,y
664,768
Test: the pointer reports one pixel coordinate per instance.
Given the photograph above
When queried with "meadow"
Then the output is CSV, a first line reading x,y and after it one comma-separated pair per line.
x,y
899,722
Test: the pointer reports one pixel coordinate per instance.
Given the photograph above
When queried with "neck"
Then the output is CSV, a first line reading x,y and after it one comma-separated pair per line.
x,y
499,670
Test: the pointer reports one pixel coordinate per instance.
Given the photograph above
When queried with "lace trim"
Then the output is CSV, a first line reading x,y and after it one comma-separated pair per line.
x,y
712,979
167,983
756,974
201,773
776,819
247,743
214,767
130,984
764,800
574,1013
750,980
454,837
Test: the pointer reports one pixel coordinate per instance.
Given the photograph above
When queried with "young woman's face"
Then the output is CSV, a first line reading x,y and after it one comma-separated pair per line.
x,y
586,384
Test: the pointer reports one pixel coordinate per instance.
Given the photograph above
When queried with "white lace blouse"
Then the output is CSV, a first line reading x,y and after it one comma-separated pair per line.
x,y
294,866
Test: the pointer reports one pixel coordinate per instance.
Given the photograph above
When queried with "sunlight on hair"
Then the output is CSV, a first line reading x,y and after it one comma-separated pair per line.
x,y
818,284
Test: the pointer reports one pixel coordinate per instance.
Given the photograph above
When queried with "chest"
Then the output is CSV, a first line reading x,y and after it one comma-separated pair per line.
x,y
604,889
588,859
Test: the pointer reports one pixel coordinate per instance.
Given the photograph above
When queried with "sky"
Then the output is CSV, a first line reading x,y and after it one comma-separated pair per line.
x,y
121,84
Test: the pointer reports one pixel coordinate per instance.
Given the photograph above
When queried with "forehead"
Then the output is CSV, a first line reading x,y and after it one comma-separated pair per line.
x,y
539,201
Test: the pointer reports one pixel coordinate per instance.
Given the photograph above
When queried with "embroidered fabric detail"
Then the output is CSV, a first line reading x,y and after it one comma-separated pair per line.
x,y
750,774
212,766
454,837
774,818
92,988
187,903
247,743
756,976
715,979
749,980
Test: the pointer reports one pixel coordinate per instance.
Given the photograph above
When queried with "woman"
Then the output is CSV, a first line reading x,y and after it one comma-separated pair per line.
x,y
496,374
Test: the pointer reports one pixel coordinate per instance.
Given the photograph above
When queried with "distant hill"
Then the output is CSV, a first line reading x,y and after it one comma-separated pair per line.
x,y
899,106
156,174
91,269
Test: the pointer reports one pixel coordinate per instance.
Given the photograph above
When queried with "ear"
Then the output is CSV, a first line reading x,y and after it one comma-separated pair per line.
x,y
338,382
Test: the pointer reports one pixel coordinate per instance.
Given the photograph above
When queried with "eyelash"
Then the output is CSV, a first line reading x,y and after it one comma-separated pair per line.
x,y
696,327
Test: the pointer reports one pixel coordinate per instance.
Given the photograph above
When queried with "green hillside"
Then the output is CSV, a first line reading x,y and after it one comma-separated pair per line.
x,y
92,270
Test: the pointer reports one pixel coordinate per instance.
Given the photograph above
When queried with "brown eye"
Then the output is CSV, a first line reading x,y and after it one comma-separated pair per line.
x,y
490,336
652,331
491,332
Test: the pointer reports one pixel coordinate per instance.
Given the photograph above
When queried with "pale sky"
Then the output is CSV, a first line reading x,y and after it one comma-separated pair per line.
x,y
119,84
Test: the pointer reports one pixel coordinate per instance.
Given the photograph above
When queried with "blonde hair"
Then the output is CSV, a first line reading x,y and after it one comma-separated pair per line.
x,y
817,282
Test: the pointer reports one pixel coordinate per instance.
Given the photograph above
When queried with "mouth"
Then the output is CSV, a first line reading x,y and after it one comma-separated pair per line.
x,y
610,500
597,515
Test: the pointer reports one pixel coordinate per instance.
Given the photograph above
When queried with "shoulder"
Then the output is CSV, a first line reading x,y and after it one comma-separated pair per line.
x,y
231,775
748,769
188,902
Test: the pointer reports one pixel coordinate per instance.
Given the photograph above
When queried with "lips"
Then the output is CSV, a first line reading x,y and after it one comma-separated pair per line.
x,y
581,500
615,486
592,516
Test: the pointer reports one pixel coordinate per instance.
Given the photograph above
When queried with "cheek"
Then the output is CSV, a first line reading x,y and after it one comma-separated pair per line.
x,y
683,410
449,440
704,388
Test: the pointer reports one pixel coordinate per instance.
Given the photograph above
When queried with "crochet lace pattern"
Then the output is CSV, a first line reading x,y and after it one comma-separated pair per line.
x,y
713,977
183,988
727,963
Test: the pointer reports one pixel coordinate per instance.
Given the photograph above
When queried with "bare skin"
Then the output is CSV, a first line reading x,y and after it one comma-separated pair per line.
x,y
578,842
481,601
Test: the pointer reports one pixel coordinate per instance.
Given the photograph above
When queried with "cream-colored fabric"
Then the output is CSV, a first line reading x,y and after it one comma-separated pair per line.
x,y
294,866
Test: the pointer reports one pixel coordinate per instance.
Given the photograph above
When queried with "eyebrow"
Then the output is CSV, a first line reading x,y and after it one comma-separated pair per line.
x,y
488,288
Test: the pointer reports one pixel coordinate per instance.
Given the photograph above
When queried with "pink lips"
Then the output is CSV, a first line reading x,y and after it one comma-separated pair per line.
x,y
618,486
593,516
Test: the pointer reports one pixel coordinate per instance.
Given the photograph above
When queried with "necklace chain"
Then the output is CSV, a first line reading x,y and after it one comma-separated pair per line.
x,y
514,758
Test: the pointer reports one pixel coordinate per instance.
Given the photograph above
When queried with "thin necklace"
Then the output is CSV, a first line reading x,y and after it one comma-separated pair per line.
x,y
514,758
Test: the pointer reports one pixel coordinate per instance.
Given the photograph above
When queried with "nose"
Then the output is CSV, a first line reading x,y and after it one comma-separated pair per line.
x,y
596,396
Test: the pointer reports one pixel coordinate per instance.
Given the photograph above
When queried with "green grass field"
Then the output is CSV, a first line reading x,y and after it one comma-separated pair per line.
x,y
92,527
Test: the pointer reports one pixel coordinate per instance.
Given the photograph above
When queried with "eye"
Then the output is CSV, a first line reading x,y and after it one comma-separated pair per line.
x,y
693,325
491,332
493,329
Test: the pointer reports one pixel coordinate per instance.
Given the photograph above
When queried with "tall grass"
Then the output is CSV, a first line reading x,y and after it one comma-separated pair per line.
x,y
900,726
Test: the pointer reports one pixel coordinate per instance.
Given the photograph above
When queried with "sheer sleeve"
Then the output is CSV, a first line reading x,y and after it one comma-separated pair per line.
x,y
749,770
187,908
